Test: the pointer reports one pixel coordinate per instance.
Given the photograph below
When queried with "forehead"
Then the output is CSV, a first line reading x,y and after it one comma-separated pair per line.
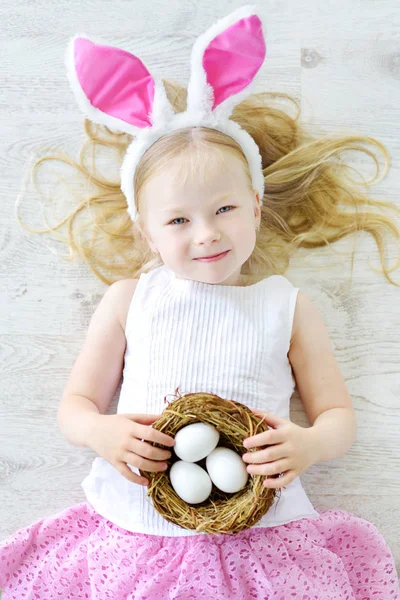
x,y
206,171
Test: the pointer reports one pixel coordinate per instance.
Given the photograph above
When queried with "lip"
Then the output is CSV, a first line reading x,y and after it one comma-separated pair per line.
x,y
213,258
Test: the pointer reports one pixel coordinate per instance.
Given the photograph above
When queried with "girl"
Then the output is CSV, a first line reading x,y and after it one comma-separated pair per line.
x,y
210,210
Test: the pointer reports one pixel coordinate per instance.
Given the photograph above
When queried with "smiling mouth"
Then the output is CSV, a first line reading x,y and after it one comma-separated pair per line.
x,y
211,256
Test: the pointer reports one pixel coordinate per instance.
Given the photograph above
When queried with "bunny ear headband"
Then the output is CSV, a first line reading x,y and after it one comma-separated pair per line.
x,y
114,88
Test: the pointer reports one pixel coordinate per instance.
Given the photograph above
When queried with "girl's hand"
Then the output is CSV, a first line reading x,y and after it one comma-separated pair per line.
x,y
120,439
290,451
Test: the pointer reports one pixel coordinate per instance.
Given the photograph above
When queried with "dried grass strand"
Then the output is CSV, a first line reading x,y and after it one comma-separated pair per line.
x,y
221,512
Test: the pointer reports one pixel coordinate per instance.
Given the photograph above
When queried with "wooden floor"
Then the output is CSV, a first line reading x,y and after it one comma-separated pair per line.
x,y
342,60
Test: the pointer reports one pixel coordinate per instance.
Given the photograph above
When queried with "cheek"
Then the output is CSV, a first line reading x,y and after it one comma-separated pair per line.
x,y
172,241
241,229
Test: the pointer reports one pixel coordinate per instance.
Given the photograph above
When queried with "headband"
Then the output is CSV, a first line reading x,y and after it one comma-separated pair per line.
x,y
114,88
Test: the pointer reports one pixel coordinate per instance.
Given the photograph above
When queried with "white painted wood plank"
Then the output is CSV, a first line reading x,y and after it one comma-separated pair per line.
x,y
342,61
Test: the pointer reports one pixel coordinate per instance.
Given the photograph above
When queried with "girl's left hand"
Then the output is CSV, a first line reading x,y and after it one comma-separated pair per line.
x,y
290,450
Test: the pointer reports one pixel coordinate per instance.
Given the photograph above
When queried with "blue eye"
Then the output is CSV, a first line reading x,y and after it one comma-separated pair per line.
x,y
180,218
173,222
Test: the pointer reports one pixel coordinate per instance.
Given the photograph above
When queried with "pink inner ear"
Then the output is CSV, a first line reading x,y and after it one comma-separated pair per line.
x,y
115,81
233,58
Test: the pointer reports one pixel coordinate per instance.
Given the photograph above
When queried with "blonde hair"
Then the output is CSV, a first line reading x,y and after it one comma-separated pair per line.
x,y
306,181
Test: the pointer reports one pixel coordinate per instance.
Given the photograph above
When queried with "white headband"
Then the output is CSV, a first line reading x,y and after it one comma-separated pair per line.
x,y
114,88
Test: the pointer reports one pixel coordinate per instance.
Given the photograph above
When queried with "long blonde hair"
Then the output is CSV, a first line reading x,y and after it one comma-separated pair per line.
x,y
306,181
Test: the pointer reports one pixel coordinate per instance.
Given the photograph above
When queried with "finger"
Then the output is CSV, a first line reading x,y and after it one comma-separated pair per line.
x,y
270,418
145,432
287,478
144,418
265,438
270,454
133,477
143,463
145,449
272,468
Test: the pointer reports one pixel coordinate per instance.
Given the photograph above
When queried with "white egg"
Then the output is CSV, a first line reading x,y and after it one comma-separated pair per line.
x,y
195,441
190,482
227,469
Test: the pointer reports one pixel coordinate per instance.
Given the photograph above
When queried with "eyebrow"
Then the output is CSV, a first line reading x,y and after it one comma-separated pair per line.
x,y
183,208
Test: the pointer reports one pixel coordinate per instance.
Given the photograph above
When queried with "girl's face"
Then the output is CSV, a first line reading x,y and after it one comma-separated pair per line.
x,y
199,218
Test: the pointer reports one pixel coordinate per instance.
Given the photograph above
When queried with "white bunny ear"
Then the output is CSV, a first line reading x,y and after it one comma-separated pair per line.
x,y
113,87
225,60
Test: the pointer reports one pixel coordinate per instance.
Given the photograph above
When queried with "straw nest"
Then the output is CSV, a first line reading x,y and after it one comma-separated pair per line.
x,y
220,512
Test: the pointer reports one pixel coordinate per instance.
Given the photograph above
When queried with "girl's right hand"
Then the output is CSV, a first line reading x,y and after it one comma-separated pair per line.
x,y
121,439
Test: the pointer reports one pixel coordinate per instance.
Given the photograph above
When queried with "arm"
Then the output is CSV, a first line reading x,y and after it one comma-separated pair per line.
x,y
76,419
97,370
321,385
333,433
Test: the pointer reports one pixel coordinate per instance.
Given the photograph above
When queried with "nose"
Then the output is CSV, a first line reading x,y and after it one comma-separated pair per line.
x,y
206,233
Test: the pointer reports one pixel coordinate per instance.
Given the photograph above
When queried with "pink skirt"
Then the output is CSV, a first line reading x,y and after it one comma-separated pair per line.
x,y
78,554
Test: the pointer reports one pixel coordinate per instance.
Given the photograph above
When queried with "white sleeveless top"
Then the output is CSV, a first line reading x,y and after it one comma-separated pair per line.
x,y
227,340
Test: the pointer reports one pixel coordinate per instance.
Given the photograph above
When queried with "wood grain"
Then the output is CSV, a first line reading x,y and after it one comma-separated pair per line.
x,y
342,61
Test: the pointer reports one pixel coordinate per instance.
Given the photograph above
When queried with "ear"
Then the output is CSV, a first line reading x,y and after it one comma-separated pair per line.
x,y
225,60
113,87
257,208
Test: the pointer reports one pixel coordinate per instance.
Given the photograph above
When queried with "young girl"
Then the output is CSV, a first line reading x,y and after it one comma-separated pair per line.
x,y
247,191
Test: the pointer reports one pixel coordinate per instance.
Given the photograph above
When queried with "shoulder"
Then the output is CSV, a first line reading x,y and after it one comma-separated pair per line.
x,y
122,292
306,318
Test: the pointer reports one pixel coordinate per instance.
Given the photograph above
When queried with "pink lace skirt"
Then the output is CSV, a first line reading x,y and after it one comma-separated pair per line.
x,y
78,554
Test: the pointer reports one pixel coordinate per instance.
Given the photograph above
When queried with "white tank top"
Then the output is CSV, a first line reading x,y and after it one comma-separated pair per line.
x,y
226,340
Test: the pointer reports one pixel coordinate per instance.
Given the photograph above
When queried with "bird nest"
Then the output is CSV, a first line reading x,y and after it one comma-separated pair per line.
x,y
220,512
